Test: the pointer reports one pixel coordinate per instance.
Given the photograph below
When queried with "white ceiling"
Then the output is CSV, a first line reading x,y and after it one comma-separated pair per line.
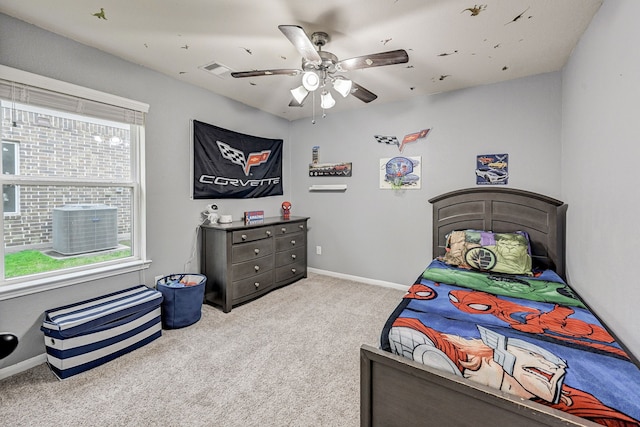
x,y
452,44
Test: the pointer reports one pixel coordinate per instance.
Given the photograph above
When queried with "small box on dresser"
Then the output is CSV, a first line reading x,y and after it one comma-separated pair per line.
x,y
244,261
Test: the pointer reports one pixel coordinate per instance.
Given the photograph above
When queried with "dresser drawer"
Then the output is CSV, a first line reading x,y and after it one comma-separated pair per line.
x,y
252,267
252,234
242,261
291,271
245,287
294,227
251,250
288,257
290,241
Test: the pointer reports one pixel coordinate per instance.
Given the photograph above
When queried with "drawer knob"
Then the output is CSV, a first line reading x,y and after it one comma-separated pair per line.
x,y
301,227
283,229
268,233
257,251
257,285
293,256
244,237
293,242
256,268
293,270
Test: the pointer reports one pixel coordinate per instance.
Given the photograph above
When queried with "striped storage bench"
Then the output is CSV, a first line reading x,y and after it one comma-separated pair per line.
x,y
87,334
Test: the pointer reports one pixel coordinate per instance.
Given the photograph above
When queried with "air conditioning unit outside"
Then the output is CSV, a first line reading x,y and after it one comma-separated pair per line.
x,y
84,228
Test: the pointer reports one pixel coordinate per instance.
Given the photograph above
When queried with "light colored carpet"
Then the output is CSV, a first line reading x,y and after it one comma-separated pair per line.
x,y
289,358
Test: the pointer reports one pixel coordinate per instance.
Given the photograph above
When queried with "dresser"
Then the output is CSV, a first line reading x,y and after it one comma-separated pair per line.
x,y
244,261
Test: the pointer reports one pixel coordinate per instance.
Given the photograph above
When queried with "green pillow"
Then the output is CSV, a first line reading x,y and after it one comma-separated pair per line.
x,y
487,251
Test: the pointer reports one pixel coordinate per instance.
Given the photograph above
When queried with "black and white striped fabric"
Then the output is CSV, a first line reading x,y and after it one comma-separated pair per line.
x,y
90,333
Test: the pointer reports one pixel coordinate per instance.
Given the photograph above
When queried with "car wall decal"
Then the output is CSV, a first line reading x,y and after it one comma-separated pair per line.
x,y
327,169
400,173
411,137
492,169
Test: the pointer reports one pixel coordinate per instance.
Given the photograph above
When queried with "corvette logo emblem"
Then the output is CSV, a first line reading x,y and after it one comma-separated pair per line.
x,y
237,157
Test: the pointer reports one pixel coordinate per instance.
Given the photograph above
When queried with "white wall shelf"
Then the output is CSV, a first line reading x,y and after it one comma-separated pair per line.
x,y
328,187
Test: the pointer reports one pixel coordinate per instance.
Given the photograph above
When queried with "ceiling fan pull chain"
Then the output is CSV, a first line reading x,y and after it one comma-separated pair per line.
x,y
313,108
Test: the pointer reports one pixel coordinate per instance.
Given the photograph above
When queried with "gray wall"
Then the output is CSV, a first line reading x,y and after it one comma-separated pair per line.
x,y
386,234
601,151
172,217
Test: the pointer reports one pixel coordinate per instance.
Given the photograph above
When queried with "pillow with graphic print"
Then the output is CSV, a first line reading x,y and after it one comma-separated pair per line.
x,y
508,253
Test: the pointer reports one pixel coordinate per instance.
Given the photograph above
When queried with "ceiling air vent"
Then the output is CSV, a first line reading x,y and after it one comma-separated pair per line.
x,y
217,69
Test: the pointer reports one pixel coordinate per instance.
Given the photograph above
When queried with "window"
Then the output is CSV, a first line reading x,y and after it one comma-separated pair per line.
x,y
72,180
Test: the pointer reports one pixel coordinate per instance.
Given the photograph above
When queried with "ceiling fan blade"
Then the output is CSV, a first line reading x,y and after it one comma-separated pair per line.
x,y
361,93
257,73
302,43
392,57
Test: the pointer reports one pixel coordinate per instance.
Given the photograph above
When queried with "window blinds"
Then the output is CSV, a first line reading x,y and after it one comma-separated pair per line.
x,y
83,101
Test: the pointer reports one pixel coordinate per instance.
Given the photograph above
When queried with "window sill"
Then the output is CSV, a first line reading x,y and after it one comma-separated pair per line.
x,y
15,290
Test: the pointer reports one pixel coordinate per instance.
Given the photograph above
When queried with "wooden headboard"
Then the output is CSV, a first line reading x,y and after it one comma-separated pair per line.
x,y
504,210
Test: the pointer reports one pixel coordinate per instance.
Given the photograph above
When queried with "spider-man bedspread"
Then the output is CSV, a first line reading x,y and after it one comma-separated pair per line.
x,y
528,336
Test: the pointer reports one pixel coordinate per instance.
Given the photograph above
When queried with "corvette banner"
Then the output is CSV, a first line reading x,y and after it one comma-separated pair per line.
x,y
231,165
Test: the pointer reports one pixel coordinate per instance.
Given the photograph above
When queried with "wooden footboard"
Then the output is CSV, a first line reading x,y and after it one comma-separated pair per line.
x,y
395,391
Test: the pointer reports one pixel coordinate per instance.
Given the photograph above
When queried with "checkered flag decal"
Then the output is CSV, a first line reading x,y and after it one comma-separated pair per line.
x,y
234,156
390,140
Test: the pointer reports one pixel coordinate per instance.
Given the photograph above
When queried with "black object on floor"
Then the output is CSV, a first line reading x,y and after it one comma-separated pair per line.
x,y
8,343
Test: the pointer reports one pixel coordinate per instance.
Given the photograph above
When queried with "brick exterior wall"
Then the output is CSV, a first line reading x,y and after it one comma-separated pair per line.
x,y
62,147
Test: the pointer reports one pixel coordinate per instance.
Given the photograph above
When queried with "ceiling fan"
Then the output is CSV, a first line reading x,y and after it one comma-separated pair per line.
x,y
320,68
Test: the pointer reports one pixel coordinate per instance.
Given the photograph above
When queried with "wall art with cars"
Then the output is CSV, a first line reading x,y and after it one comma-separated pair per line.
x,y
327,169
492,169
400,173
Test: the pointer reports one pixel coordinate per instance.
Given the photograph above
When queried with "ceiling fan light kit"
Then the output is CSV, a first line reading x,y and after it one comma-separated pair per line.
x,y
310,81
319,68
342,86
299,95
326,100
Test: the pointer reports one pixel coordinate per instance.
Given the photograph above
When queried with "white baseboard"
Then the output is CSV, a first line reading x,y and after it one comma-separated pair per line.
x,y
22,366
359,279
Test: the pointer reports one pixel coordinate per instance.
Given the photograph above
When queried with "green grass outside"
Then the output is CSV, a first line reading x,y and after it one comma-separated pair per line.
x,y
31,262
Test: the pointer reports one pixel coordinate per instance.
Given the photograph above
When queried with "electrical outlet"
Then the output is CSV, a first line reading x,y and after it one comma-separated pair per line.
x,y
318,250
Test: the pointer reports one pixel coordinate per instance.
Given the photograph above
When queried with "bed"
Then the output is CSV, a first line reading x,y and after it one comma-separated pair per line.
x,y
471,346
